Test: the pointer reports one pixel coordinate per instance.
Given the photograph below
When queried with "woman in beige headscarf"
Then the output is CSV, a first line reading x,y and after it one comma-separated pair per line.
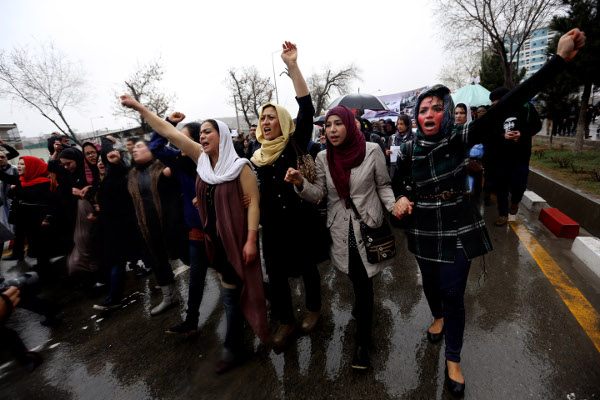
x,y
288,222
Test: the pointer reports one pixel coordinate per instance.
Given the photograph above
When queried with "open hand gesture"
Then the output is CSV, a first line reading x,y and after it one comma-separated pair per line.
x,y
570,43
177,117
290,53
129,102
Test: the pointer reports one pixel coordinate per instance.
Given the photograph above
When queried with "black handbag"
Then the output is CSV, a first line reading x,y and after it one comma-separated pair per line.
x,y
380,242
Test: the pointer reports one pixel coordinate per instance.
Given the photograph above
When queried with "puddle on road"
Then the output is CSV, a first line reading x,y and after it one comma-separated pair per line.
x,y
304,354
82,382
335,348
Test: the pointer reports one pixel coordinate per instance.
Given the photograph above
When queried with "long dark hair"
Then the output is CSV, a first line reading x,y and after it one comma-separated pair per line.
x,y
194,130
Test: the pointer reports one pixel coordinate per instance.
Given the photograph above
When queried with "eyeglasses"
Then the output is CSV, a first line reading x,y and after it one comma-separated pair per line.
x,y
89,153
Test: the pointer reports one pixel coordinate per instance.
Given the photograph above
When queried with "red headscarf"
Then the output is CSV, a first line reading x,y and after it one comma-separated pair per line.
x,y
350,154
36,171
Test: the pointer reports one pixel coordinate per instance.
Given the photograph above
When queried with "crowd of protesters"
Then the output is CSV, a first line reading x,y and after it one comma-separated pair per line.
x,y
199,195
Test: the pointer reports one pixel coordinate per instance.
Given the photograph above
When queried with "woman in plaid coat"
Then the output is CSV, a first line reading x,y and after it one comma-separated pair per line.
x,y
446,231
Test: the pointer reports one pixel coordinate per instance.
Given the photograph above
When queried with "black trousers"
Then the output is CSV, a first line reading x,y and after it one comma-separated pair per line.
x,y
281,295
444,286
363,296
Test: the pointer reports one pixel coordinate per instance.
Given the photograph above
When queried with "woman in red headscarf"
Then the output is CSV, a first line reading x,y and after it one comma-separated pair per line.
x,y
35,206
351,171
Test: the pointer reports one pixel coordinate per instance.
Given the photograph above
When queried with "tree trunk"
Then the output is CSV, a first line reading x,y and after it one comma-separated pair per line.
x,y
585,98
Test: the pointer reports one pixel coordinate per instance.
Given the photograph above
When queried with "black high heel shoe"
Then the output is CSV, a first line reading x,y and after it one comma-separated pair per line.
x,y
456,388
435,337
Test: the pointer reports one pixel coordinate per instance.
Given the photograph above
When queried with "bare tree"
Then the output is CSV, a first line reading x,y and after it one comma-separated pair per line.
x,y
506,24
322,84
43,79
249,91
143,85
458,71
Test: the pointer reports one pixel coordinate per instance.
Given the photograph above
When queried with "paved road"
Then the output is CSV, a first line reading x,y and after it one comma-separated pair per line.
x,y
521,342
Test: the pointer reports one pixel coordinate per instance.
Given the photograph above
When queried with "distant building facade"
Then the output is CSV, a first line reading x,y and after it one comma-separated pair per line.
x,y
9,134
533,53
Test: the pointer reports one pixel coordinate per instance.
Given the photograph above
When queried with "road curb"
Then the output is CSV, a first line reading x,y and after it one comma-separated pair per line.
x,y
533,202
587,249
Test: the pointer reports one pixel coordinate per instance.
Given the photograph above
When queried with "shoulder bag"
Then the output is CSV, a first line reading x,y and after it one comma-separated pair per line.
x,y
380,242
305,163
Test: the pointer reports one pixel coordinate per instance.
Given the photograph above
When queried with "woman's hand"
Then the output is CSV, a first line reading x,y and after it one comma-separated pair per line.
x,y
195,202
294,176
12,293
250,250
246,200
289,54
112,139
85,191
177,117
114,157
92,217
570,43
76,192
130,102
45,224
403,207
167,172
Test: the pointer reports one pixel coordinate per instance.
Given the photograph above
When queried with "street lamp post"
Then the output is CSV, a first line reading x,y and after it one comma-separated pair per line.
x,y
274,76
92,122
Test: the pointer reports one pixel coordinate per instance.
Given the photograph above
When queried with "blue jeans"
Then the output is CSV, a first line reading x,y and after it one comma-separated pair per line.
x,y
198,267
233,312
117,283
444,286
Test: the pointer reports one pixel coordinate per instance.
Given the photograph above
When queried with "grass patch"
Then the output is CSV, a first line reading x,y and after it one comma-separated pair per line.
x,y
581,171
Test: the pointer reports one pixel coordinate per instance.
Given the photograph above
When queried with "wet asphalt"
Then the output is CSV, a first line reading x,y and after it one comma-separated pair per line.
x,y
521,341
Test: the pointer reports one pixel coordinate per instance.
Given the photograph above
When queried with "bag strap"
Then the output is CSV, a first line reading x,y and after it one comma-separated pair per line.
x,y
354,208
297,148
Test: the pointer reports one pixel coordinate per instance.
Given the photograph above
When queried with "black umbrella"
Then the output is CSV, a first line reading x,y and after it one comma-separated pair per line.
x,y
320,120
359,101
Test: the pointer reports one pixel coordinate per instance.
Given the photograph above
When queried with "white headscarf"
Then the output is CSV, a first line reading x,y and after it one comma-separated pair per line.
x,y
228,167
469,119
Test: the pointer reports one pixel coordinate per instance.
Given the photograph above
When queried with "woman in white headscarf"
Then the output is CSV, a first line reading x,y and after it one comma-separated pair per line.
x,y
223,180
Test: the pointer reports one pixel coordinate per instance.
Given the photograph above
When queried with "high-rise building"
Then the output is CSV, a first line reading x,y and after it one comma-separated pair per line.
x,y
533,53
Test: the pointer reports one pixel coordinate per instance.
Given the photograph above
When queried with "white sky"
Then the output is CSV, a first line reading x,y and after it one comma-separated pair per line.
x,y
393,42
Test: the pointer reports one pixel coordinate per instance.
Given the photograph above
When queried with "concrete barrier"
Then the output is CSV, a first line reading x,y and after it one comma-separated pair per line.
x,y
578,205
588,251
533,202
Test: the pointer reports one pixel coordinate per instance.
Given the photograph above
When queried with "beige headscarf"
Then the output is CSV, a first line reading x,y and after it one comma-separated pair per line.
x,y
272,149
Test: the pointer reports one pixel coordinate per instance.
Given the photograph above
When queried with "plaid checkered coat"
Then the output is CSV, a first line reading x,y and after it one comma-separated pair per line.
x,y
439,164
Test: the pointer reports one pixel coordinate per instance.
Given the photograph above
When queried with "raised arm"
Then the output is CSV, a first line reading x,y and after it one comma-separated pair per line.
x,y
164,128
290,58
250,189
9,151
306,110
568,46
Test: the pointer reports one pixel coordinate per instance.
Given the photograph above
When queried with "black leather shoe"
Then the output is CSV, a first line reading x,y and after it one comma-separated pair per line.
x,y
435,337
361,358
456,388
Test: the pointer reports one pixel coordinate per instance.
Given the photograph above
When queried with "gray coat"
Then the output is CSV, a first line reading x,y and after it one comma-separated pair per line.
x,y
370,186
